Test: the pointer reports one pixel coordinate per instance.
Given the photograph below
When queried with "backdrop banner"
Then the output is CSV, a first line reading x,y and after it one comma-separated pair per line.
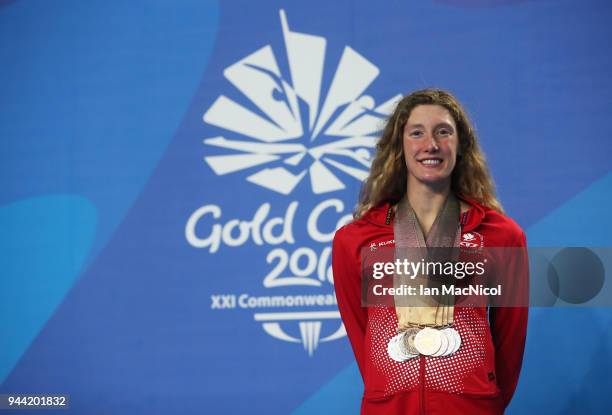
x,y
172,175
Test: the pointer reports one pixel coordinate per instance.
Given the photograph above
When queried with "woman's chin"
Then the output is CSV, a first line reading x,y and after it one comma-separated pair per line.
x,y
434,180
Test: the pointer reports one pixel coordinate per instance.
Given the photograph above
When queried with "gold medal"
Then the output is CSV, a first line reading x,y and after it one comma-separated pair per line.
x,y
428,341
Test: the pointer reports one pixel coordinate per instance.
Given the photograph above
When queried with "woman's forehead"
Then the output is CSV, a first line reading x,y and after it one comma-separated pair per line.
x,y
429,113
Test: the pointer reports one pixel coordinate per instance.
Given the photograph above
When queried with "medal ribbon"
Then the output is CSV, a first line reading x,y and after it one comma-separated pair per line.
x,y
412,245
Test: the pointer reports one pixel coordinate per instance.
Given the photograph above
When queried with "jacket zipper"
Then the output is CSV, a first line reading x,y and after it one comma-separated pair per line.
x,y
422,405
422,373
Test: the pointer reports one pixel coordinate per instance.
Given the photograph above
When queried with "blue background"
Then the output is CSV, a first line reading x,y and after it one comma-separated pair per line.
x,y
101,151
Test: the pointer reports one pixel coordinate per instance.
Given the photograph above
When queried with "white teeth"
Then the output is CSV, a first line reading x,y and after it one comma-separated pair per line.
x,y
430,161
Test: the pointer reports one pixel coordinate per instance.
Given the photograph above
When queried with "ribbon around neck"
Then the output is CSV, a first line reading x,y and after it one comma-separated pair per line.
x,y
412,245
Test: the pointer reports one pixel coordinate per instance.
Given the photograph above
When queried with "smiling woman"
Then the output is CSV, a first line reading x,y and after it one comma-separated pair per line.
x,y
429,186
388,179
430,145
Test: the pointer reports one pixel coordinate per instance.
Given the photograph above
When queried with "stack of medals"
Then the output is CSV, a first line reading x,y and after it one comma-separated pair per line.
x,y
425,330
426,341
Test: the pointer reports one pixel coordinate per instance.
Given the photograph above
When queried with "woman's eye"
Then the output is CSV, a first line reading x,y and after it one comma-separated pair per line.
x,y
444,132
416,134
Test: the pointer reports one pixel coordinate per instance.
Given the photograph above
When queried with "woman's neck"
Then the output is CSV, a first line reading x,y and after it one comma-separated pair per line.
x,y
427,200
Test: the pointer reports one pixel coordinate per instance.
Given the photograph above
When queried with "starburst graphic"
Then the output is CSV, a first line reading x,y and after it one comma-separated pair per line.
x,y
288,135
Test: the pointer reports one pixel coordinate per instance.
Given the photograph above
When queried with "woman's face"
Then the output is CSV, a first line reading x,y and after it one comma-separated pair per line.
x,y
430,144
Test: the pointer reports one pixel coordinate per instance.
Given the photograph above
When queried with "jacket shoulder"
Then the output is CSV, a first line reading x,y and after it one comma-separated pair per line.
x,y
351,231
506,229
358,230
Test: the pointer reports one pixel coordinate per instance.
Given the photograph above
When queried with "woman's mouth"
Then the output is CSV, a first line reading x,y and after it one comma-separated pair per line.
x,y
432,162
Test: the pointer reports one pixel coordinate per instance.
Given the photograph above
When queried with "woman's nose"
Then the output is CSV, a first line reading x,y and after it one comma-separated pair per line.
x,y
432,144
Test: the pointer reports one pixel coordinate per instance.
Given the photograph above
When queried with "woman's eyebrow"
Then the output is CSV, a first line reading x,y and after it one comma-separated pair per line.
x,y
440,124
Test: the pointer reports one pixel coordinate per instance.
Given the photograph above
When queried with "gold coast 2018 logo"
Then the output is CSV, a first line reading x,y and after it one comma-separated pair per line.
x,y
285,132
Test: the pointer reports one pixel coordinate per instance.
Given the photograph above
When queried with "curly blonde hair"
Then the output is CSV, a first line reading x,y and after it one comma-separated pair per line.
x,y
387,181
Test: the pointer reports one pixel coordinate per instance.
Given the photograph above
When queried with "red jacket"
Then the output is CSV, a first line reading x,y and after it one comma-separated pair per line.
x,y
480,378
